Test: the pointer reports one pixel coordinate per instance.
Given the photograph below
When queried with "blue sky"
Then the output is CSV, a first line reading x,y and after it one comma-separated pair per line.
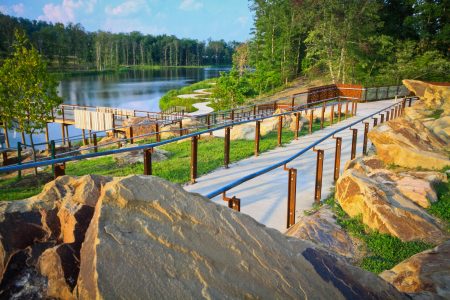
x,y
198,19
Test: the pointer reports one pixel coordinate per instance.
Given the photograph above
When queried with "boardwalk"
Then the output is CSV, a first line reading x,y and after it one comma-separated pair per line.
x,y
265,197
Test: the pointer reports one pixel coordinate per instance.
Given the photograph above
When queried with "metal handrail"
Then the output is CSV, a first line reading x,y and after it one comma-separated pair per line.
x,y
286,161
12,168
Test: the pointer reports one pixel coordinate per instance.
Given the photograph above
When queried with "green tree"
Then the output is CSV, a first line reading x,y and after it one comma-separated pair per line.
x,y
28,92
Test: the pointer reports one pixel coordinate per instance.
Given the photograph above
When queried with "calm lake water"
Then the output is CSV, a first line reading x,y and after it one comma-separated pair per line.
x,y
133,89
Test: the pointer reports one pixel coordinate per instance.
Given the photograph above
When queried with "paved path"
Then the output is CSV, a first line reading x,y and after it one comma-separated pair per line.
x,y
265,197
202,107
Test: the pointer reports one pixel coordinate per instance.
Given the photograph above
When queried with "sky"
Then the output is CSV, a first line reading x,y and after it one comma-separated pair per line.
x,y
198,19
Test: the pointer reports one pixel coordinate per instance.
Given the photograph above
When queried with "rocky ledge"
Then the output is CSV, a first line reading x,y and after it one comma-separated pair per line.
x,y
143,237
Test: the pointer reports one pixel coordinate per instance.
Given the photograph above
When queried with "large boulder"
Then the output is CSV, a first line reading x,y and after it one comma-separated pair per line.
x,y
41,237
426,274
137,156
141,126
168,243
409,144
384,208
321,228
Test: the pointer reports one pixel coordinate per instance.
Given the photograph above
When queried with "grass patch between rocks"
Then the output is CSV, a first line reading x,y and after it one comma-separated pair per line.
x,y
441,208
383,251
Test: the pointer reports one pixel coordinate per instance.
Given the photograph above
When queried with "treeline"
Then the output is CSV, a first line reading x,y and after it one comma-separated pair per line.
x,y
72,47
372,42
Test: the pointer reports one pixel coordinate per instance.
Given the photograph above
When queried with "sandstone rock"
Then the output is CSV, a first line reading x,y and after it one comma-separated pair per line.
x,y
409,144
417,190
428,272
321,228
151,239
243,132
365,164
141,126
137,156
416,86
384,208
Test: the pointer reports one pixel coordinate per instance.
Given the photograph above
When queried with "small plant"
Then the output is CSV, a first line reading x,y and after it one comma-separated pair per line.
x,y
436,114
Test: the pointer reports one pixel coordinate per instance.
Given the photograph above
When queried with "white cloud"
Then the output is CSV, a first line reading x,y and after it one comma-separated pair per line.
x,y
118,25
18,9
190,5
126,8
242,20
65,12
3,9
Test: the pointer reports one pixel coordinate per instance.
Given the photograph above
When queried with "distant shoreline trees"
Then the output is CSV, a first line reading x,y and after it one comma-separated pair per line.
x,y
71,47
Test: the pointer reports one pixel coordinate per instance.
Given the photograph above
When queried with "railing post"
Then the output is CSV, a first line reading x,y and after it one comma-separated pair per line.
x,y
148,161
292,103
53,153
410,101
382,118
226,155
392,114
158,135
274,105
375,122
366,131
322,118
233,203
292,194
332,114
254,111
63,134
319,173
83,132
194,148
5,158
354,138
94,136
337,158
68,137
257,136
387,115
208,121
311,121
339,111
19,159
131,134
181,127
346,109
232,115
356,108
280,130
297,124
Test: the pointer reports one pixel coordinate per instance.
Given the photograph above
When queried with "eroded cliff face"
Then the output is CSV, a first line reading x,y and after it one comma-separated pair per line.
x,y
143,237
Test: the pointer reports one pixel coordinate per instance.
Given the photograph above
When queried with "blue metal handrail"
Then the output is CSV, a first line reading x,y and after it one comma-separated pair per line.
x,y
147,146
286,161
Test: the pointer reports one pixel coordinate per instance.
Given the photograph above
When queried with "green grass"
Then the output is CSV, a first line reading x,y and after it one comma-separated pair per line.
x,y
436,114
15,189
383,251
170,99
176,168
441,208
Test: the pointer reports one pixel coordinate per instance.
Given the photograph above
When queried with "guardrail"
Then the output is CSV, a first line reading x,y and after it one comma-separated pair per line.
x,y
390,112
148,148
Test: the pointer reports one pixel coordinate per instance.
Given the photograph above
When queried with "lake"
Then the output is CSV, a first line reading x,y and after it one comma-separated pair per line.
x,y
132,89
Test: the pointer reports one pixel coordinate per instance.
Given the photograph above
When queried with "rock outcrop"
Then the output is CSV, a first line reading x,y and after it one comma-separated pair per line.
x,y
389,202
321,228
148,238
426,273
422,137
137,156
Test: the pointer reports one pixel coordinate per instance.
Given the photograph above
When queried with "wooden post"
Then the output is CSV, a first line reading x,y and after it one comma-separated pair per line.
x,y
319,173
392,114
83,132
257,136
232,115
382,118
5,129
63,134
292,195
148,161
158,135
375,122
19,159
181,127
94,136
208,121
387,115
5,158
346,109
130,132
67,136
337,158
297,124
354,138
366,131
47,140
339,111
226,155
280,130
322,118
332,115
254,111
311,121
194,148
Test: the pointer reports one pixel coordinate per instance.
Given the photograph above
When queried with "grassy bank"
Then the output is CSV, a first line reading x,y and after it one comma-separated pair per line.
x,y
176,168
171,98
383,251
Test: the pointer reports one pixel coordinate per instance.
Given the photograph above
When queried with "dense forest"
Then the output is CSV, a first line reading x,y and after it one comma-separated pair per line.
x,y
72,47
371,42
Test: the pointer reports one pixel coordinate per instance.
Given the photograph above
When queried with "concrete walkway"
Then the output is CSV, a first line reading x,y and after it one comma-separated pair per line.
x,y
265,197
202,107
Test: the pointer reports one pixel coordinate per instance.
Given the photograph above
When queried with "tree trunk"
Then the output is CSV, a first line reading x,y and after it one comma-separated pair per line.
x,y
34,153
